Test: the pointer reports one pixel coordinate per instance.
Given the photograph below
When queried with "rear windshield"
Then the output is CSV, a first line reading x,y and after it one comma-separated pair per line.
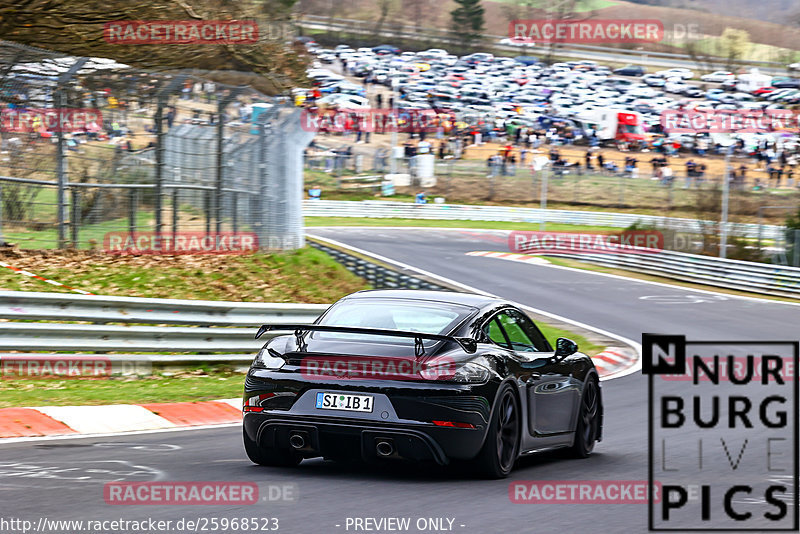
x,y
393,314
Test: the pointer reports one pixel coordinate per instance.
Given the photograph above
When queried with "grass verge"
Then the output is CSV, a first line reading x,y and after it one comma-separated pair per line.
x,y
188,386
584,345
306,275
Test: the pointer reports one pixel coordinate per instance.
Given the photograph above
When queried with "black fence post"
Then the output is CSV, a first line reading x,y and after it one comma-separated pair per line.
x,y
207,209
61,158
163,97
75,216
175,201
132,209
222,103
235,213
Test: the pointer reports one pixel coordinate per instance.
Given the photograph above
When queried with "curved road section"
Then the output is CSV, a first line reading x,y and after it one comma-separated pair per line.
x,y
68,479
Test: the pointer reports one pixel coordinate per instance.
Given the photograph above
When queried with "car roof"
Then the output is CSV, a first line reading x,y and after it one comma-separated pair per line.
x,y
449,297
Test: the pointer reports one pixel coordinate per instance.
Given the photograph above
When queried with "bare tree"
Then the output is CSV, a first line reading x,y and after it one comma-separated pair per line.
x,y
75,27
384,7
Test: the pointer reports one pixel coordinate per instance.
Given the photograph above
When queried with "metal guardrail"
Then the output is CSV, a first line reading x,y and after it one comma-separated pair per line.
x,y
378,276
463,212
78,337
18,305
201,338
730,274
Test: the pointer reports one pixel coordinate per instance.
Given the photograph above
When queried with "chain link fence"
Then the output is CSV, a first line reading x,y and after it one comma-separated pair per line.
x,y
90,147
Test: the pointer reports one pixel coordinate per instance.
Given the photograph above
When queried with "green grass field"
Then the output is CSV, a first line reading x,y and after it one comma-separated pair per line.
x,y
189,386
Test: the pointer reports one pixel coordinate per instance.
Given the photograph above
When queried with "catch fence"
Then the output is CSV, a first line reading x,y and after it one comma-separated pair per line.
x,y
91,146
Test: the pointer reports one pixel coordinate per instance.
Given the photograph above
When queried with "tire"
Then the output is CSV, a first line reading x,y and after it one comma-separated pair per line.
x,y
588,426
269,457
501,447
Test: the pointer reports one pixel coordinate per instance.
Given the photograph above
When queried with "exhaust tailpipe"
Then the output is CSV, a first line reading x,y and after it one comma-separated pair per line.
x,y
297,441
384,448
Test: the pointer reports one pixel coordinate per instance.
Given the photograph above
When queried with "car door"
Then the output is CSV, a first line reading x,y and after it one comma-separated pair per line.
x,y
550,390
552,393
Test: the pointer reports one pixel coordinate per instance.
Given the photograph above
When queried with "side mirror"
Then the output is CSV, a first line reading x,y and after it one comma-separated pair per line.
x,y
565,347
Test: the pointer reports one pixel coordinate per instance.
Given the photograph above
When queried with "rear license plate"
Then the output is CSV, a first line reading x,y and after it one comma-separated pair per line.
x,y
343,401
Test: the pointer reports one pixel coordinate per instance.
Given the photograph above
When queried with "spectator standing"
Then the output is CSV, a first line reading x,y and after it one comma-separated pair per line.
x,y
666,175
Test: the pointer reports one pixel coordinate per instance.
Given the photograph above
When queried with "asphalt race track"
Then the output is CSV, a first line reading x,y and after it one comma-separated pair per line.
x,y
64,478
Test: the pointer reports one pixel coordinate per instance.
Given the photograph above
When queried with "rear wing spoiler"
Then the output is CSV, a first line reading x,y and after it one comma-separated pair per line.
x,y
467,344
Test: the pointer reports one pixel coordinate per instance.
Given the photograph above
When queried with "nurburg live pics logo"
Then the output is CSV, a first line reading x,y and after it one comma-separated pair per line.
x,y
722,434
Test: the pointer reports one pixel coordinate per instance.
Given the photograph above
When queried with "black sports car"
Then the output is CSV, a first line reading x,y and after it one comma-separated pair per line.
x,y
419,375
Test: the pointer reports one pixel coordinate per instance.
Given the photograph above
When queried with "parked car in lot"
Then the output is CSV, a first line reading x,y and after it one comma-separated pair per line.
x,y
684,74
785,82
692,91
762,91
491,89
718,76
510,41
654,81
385,49
325,55
675,85
343,101
630,70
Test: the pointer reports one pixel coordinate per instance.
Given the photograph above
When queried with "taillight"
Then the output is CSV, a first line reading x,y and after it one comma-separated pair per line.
x,y
282,400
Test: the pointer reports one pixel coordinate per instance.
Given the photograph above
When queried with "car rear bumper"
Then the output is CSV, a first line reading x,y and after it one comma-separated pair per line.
x,y
343,438
422,421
